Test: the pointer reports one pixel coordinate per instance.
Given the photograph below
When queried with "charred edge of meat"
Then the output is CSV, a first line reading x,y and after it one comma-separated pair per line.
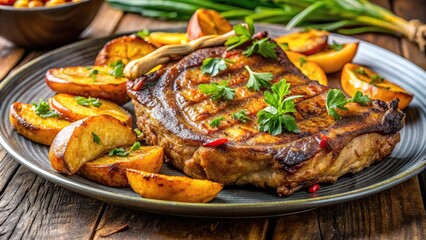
x,y
393,120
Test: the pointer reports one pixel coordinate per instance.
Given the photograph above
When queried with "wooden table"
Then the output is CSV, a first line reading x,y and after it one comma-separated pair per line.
x,y
31,207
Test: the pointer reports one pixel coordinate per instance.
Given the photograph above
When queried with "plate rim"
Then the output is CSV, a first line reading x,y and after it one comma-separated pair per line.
x,y
203,209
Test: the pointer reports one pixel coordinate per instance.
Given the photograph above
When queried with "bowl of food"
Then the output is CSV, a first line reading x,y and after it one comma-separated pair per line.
x,y
45,23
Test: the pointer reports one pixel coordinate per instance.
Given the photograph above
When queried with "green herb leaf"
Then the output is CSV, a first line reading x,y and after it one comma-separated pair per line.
x,y
376,79
143,33
96,102
218,91
135,146
117,68
93,74
273,118
96,138
215,123
336,46
121,152
336,100
262,47
361,71
213,66
242,35
258,80
43,110
138,132
302,61
284,46
241,116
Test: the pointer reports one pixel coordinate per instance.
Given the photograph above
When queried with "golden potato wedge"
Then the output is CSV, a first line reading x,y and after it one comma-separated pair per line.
x,y
172,188
310,69
68,106
84,140
167,38
126,49
30,125
95,81
111,170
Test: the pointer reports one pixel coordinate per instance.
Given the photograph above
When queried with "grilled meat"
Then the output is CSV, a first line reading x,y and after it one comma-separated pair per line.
x,y
173,113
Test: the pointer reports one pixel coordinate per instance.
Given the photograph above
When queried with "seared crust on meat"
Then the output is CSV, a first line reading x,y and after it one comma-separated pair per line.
x,y
174,114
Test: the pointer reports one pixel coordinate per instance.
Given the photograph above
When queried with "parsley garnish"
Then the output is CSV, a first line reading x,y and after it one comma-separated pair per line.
x,y
143,33
215,123
117,68
96,102
96,138
336,46
284,46
302,61
336,100
213,66
241,116
242,35
218,91
361,71
121,152
273,118
135,146
93,74
263,47
138,132
43,110
376,79
258,80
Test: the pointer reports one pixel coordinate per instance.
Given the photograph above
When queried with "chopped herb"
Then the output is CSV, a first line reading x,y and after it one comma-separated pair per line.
x,y
336,46
143,33
361,71
273,118
213,66
262,47
96,102
258,80
135,146
121,152
93,74
376,79
138,132
242,35
302,61
43,110
336,100
117,68
218,91
241,116
88,68
96,138
215,123
284,46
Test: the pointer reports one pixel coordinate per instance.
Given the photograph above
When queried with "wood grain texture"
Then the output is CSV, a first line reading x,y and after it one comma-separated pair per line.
x,y
9,56
150,226
32,208
104,23
298,226
8,168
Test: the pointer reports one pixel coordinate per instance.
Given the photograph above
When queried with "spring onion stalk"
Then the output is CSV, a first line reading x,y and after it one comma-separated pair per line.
x,y
344,16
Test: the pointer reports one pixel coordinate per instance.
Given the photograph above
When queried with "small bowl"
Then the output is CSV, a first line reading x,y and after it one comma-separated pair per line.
x,y
47,26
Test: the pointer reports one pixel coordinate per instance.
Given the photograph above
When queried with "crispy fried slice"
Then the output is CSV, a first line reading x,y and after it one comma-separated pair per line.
x,y
32,126
69,108
111,170
172,188
86,139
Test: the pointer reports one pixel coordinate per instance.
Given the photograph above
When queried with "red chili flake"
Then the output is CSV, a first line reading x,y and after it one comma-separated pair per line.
x,y
216,143
324,142
314,188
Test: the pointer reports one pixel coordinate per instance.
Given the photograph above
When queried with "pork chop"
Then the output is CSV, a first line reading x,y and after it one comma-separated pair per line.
x,y
174,114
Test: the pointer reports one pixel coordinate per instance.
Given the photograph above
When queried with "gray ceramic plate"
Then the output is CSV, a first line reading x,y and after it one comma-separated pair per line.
x,y
407,160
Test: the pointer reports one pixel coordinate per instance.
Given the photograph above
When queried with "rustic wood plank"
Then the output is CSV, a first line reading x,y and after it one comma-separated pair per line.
x,y
298,226
8,168
9,56
413,9
150,226
33,208
104,23
397,213
133,22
